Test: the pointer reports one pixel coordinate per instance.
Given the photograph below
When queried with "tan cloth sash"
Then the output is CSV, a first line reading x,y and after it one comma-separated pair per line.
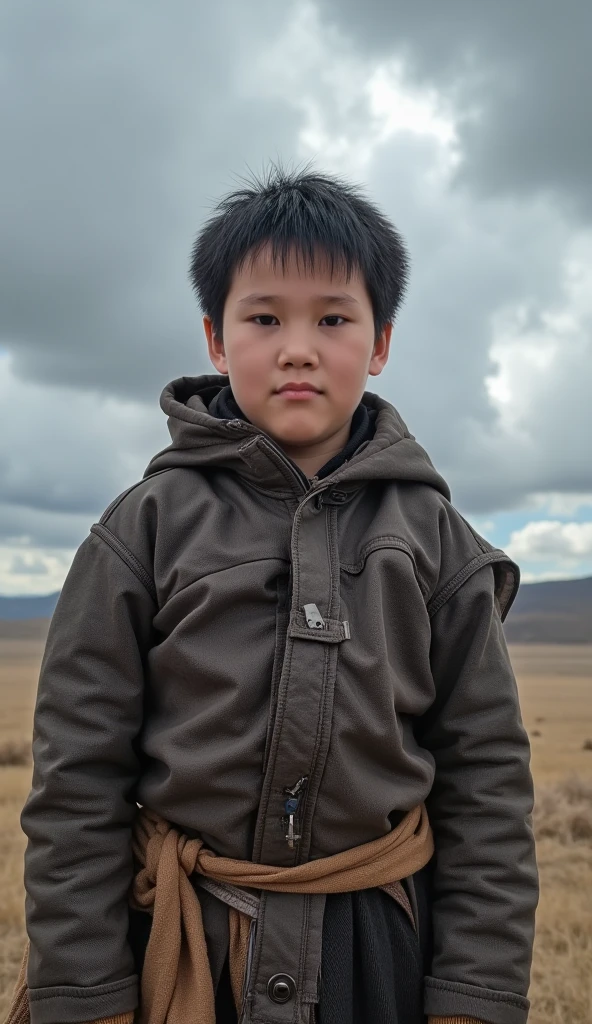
x,y
176,983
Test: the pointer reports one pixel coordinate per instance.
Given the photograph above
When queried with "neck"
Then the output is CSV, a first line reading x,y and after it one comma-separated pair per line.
x,y
310,460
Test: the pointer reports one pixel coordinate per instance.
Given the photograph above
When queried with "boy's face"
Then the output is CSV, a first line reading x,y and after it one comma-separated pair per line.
x,y
298,327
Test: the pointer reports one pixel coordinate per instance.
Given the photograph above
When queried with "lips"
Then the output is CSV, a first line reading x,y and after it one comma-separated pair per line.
x,y
295,387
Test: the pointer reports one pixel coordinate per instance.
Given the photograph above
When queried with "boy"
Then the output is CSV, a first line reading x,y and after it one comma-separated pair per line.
x,y
286,644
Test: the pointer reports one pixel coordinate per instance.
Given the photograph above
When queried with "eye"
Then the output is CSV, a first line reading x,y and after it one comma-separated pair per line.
x,y
334,316
264,316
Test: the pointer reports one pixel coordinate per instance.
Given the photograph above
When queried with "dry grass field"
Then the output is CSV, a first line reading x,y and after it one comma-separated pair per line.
x,y
556,692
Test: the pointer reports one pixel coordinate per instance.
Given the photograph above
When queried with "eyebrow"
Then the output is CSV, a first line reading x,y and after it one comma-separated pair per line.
x,y
341,297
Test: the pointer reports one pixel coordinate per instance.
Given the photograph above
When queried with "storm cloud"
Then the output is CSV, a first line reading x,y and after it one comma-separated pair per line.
x,y
123,122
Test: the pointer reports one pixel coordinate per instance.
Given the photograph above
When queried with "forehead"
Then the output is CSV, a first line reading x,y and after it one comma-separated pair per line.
x,y
295,278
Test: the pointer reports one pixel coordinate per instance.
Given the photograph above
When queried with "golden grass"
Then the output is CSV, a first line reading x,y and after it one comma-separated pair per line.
x,y
14,785
555,684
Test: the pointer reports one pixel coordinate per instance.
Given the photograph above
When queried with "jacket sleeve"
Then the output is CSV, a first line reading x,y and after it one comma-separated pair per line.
x,y
485,875
77,817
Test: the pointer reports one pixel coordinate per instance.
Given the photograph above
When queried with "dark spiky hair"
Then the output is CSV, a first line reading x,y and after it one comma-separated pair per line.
x,y
306,214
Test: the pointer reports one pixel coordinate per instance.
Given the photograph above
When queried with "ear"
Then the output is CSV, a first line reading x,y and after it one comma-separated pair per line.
x,y
381,351
215,347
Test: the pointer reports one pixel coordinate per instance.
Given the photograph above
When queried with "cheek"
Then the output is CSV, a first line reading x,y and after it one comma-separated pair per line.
x,y
249,359
347,367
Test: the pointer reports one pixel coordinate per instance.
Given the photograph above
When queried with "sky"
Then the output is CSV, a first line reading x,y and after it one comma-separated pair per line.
x,y
123,122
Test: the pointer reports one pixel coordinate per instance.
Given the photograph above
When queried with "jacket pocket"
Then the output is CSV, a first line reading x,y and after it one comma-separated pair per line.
x,y
383,543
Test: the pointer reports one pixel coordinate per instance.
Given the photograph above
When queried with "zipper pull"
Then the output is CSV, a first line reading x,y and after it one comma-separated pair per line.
x,y
291,807
291,836
297,787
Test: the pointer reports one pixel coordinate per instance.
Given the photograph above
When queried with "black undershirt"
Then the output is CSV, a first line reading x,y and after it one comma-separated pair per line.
x,y
363,425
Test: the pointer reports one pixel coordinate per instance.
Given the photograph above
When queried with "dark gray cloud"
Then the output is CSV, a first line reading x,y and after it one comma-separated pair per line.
x,y
120,122
518,74
23,528
470,260
67,452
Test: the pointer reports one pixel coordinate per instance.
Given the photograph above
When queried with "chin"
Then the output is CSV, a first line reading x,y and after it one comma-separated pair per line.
x,y
293,436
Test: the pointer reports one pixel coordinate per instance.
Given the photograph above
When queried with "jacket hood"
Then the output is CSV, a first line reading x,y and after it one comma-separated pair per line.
x,y
201,440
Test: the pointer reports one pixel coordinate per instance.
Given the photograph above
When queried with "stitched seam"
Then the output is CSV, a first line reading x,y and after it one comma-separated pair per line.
x,y
117,501
254,975
371,545
126,556
227,568
457,581
316,774
468,990
377,543
278,463
281,638
302,956
82,993
280,712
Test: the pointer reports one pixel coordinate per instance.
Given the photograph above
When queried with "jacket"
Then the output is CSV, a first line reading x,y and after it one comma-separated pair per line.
x,y
230,633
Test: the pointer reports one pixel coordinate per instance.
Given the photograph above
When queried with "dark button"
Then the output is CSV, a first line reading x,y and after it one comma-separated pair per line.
x,y
281,988
331,498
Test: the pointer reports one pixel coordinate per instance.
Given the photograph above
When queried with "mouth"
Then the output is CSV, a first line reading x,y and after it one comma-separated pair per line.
x,y
296,391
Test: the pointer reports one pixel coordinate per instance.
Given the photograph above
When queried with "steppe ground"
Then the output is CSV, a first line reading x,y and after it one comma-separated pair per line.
x,y
555,684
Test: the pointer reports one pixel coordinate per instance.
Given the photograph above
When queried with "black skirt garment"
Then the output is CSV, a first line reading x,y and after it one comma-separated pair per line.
x,y
373,962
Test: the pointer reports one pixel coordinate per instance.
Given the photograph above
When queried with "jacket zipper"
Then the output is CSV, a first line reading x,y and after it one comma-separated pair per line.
x,y
294,803
307,483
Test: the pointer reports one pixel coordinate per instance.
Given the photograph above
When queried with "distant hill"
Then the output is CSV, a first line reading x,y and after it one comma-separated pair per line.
x,y
24,629
557,612
28,607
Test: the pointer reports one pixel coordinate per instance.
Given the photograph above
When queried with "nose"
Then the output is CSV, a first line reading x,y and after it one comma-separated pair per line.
x,y
297,349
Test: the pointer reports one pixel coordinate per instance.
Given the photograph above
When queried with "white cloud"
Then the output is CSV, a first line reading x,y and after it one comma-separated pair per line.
x,y
349,104
549,575
33,572
521,93
562,505
552,541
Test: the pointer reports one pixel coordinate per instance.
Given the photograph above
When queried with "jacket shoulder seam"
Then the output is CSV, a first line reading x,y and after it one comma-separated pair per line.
x,y
126,556
117,501
440,598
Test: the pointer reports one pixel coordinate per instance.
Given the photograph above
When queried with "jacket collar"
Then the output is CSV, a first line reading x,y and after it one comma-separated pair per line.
x,y
363,425
203,441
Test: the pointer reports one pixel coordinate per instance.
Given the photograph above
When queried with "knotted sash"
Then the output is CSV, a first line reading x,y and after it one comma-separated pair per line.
x,y
176,984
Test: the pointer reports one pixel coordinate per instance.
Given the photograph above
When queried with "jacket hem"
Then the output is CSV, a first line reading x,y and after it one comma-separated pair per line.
x,y
455,999
452,1020
74,1004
